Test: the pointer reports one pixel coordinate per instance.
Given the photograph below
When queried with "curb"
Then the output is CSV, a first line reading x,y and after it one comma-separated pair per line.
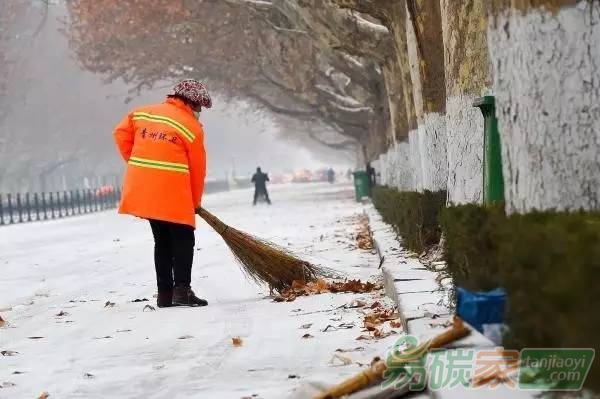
x,y
411,286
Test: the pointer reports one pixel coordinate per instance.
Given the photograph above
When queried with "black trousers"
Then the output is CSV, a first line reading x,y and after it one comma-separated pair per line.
x,y
258,191
173,254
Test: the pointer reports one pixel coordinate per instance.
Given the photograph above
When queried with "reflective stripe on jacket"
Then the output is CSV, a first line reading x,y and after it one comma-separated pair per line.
x,y
163,146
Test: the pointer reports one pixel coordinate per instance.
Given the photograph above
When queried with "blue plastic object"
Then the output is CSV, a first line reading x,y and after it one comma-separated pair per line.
x,y
479,308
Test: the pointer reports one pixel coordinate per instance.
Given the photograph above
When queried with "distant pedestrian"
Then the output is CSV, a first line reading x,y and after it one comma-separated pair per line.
x,y
371,174
260,180
330,175
163,145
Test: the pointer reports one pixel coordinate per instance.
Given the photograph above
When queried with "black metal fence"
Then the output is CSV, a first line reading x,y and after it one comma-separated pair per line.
x,y
22,208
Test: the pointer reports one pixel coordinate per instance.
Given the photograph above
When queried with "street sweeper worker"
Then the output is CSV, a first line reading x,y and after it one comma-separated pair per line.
x,y
163,145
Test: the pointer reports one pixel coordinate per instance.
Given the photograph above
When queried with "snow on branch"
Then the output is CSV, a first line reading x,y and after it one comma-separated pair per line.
x,y
261,5
347,101
351,110
369,27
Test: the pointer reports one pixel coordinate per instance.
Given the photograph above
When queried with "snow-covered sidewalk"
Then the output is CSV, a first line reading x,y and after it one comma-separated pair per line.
x,y
68,292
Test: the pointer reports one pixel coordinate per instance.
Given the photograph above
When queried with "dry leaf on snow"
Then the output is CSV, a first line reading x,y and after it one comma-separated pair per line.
x,y
357,303
396,323
363,337
345,360
306,326
370,326
307,336
357,349
237,341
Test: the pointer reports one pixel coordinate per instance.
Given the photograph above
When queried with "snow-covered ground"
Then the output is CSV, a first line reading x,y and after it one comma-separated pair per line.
x,y
77,265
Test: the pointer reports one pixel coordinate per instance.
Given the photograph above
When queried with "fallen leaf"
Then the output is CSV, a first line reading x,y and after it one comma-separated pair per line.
x,y
140,300
105,337
357,304
278,298
396,323
109,304
149,307
329,328
185,337
35,337
320,286
345,360
346,325
357,349
62,313
88,375
18,372
237,341
291,298
121,331
44,395
370,326
293,376
8,353
306,326
363,337
307,336
375,304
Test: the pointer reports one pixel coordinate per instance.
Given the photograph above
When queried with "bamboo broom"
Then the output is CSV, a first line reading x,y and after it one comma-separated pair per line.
x,y
261,260
375,373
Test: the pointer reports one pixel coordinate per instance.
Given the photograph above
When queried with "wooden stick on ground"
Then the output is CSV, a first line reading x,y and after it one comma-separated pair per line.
x,y
375,373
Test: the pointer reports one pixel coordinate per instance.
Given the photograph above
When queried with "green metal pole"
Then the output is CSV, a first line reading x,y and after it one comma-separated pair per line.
x,y
493,181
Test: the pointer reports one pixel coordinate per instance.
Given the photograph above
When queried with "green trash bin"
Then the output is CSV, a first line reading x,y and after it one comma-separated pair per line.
x,y
362,185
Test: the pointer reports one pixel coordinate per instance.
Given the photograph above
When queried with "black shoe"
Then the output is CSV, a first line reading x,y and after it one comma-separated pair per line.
x,y
164,299
184,296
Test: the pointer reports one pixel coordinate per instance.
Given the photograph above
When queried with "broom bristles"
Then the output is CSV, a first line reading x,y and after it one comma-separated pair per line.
x,y
263,261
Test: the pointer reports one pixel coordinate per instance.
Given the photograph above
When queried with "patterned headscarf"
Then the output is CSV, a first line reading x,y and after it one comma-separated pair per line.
x,y
194,92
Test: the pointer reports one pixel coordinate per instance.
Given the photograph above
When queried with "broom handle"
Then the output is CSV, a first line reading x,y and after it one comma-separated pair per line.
x,y
375,372
212,220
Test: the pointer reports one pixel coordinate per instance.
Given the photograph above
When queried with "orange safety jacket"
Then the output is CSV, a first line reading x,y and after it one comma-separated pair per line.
x,y
163,145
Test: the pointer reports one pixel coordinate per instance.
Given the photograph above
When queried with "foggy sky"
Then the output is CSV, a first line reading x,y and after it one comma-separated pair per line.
x,y
58,111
